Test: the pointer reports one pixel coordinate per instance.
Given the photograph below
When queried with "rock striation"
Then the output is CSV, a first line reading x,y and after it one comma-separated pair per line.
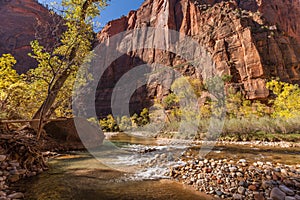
x,y
22,22
252,41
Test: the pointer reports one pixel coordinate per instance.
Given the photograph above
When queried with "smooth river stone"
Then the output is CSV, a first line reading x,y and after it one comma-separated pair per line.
x,y
2,158
277,194
287,190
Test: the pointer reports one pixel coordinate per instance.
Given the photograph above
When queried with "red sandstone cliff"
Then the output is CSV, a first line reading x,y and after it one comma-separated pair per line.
x,y
250,40
21,22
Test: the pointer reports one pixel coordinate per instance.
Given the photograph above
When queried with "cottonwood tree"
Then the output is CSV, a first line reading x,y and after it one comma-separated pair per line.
x,y
11,88
56,69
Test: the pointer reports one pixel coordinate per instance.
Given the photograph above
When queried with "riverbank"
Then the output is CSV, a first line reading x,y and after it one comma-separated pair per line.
x,y
82,177
251,171
280,144
20,157
228,179
161,155
175,137
237,137
12,172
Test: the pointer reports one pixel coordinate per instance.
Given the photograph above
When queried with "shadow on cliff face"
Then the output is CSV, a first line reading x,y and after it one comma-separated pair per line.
x,y
158,81
108,81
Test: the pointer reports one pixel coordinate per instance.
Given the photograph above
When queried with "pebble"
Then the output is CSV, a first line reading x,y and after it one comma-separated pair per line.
x,y
233,169
237,196
252,187
10,172
2,158
231,180
277,194
17,195
289,198
287,190
219,193
241,190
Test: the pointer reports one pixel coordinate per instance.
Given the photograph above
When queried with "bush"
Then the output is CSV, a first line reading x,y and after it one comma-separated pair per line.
x,y
109,124
286,104
125,123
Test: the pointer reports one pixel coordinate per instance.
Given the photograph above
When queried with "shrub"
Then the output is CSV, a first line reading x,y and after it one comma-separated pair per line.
x,y
286,104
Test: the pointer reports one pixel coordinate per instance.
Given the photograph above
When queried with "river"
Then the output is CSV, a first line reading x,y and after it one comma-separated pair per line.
x,y
128,167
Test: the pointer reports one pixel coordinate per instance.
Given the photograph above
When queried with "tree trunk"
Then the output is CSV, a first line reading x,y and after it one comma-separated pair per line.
x,y
47,104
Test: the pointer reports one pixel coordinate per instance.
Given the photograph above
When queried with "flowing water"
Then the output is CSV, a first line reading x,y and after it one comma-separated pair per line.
x,y
127,167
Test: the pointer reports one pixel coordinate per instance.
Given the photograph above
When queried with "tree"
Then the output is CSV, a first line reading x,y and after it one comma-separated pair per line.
x,y
286,104
11,87
58,67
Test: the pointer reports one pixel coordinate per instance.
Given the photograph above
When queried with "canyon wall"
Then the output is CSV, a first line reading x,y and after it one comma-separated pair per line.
x,y
23,21
252,41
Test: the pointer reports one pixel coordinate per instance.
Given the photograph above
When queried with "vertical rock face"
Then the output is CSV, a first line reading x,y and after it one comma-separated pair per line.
x,y
252,41
284,14
23,21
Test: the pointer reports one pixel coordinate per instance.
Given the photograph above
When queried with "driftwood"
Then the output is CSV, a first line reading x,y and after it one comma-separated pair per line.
x,y
23,147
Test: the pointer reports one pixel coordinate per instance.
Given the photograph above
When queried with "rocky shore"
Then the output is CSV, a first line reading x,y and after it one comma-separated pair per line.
x,y
280,144
11,172
229,179
21,156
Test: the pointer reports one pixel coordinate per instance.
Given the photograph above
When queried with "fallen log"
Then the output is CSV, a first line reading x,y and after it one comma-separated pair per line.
x,y
7,121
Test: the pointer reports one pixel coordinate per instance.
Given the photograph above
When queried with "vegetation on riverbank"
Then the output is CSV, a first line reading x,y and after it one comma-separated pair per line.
x,y
244,120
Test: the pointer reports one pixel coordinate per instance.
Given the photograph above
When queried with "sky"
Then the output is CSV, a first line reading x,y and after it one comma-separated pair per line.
x,y
115,10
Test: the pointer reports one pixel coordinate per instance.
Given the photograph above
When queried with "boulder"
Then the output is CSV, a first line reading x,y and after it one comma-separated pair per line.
x,y
75,133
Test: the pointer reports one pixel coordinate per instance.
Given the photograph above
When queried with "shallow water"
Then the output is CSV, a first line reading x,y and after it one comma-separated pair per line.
x,y
288,156
117,173
83,178
128,167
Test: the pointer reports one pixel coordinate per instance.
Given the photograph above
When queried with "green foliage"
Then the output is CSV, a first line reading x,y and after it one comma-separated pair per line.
x,y
141,119
125,123
171,101
246,120
239,107
234,102
185,88
12,86
286,104
227,78
46,90
57,68
109,124
145,119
